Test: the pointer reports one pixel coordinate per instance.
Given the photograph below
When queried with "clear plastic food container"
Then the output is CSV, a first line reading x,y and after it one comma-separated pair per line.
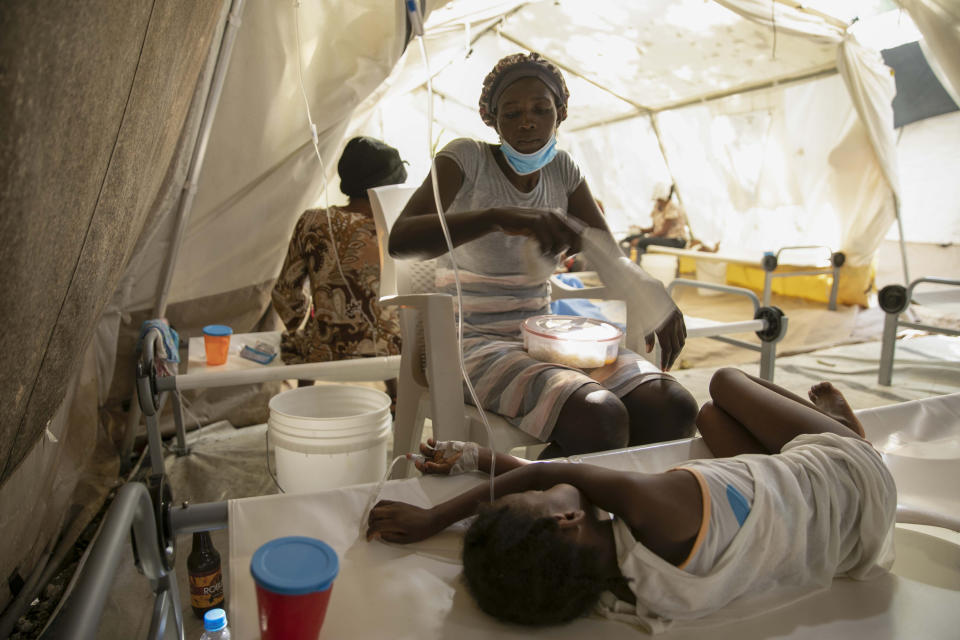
x,y
571,340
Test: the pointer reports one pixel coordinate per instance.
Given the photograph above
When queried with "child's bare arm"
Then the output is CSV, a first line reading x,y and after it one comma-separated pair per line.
x,y
635,497
405,523
439,460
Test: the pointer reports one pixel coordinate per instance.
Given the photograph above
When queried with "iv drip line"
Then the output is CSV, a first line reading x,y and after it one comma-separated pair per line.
x,y
326,188
441,216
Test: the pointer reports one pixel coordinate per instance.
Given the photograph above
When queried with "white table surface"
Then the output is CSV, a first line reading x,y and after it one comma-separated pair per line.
x,y
237,370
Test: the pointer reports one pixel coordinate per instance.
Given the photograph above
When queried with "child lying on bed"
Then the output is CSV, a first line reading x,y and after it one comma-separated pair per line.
x,y
805,499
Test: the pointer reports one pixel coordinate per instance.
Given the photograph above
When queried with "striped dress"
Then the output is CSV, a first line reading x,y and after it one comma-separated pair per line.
x,y
500,291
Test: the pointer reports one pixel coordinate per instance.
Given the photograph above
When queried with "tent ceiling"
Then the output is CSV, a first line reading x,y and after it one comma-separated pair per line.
x,y
655,54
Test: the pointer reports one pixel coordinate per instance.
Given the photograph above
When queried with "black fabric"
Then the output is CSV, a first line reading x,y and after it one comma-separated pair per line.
x,y
919,94
644,241
367,163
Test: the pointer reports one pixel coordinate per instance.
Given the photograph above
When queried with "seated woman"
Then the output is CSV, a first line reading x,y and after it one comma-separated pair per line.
x,y
495,198
805,499
336,251
669,228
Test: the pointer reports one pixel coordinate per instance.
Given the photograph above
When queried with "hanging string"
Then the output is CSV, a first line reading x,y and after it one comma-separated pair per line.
x,y
773,20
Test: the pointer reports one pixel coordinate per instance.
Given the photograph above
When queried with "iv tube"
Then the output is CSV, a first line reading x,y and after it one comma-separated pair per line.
x,y
456,274
326,189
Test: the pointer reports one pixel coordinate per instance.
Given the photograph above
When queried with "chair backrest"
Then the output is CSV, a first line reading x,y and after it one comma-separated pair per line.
x,y
397,276
387,203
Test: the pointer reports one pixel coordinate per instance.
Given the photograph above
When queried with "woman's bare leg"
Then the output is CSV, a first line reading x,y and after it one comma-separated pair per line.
x,y
592,419
660,410
771,414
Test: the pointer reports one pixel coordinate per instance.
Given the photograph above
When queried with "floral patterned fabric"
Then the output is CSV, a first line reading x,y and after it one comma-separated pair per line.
x,y
339,327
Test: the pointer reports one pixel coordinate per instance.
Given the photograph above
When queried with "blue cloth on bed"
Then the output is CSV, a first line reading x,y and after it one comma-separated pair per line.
x,y
578,306
169,337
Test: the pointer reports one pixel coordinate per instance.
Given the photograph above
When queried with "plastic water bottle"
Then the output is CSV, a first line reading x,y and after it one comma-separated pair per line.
x,y
215,625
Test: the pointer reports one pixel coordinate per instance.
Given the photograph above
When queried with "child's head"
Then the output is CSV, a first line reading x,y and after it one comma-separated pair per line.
x,y
522,567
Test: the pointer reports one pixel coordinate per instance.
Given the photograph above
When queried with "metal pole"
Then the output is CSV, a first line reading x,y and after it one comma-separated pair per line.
x,y
887,347
204,516
903,243
80,614
199,152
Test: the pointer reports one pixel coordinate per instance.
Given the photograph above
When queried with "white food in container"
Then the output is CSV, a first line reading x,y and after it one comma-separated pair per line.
x,y
574,341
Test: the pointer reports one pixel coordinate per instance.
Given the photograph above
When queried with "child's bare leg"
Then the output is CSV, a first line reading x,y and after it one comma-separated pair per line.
x,y
725,436
825,398
771,414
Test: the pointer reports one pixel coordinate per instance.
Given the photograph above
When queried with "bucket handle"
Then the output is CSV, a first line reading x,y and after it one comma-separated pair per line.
x,y
266,437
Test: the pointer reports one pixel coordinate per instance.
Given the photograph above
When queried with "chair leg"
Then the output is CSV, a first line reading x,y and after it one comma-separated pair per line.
x,y
407,426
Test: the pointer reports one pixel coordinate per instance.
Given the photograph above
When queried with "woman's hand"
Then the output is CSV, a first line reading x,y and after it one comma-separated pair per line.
x,y
546,225
672,335
401,522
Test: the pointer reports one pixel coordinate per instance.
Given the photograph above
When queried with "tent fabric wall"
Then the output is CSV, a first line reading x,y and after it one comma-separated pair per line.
x,y
939,22
94,99
260,172
72,208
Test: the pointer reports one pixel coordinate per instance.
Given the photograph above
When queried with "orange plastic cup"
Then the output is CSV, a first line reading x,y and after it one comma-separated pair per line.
x,y
216,341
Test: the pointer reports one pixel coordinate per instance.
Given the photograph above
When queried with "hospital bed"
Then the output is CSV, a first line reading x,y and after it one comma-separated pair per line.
x,y
769,323
895,299
415,591
771,261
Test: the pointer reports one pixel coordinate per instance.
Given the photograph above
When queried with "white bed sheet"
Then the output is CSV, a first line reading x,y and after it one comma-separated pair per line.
x,y
415,591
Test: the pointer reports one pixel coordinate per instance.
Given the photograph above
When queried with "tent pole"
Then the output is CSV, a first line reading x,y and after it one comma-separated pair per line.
x,y
186,200
903,243
666,161
199,152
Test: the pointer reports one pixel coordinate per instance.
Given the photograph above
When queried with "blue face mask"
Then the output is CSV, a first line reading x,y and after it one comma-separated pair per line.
x,y
527,163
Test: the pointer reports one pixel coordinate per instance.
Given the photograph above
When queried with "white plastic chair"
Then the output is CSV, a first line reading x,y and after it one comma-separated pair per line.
x,y
430,383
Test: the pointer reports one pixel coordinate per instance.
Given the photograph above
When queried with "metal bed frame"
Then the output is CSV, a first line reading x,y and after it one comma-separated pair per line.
x,y
769,263
894,300
146,511
769,323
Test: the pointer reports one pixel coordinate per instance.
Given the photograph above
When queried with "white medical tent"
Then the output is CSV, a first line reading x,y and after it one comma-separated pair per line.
x,y
156,158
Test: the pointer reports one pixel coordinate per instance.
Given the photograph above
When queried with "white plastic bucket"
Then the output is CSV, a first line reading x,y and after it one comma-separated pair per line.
x,y
660,266
329,436
712,272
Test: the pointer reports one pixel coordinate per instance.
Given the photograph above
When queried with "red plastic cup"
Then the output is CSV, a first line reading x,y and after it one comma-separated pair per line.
x,y
294,578
216,342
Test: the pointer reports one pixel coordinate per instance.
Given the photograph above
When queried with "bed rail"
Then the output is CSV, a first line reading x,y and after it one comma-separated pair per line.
x,y
894,300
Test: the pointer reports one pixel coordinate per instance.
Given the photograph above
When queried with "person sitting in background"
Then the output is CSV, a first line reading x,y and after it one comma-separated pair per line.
x,y
669,224
795,497
336,251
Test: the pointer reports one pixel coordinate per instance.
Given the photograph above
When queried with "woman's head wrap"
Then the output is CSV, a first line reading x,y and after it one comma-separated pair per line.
x,y
510,69
367,163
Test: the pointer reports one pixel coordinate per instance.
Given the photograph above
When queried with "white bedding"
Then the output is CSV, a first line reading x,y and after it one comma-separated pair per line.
x,y
415,591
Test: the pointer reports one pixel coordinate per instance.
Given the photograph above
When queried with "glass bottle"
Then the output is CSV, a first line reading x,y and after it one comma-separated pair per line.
x,y
206,579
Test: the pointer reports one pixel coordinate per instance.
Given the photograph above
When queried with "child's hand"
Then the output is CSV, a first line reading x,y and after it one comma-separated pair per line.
x,y
437,460
400,522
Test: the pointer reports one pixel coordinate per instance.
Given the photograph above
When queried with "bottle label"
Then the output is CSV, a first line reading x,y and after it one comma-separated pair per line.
x,y
206,589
